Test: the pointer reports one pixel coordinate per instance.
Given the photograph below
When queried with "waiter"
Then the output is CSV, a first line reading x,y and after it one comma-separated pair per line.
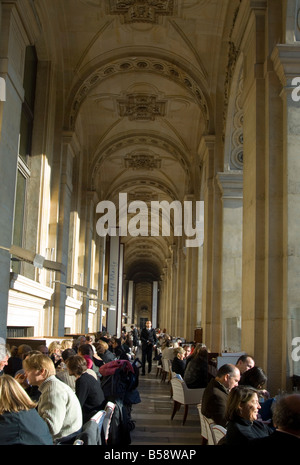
x,y
149,340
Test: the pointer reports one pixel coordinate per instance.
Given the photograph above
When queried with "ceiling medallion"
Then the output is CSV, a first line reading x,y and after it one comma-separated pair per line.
x,y
141,11
142,161
141,107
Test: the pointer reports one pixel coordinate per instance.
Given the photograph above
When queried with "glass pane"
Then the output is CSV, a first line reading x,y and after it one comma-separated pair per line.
x,y
19,216
25,136
30,76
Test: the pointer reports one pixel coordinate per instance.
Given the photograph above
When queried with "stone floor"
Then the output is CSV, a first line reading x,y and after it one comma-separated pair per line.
x,y
153,416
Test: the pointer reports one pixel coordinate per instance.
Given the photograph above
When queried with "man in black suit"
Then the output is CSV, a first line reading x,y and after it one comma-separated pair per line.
x,y
149,341
286,419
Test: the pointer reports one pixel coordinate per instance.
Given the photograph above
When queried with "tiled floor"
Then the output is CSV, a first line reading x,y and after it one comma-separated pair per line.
x,y
153,416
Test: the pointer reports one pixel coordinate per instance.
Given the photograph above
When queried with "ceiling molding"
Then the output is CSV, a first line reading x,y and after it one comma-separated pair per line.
x,y
170,68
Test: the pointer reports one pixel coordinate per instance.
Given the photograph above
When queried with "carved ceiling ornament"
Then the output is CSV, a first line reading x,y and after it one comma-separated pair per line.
x,y
123,142
141,107
166,69
140,11
142,161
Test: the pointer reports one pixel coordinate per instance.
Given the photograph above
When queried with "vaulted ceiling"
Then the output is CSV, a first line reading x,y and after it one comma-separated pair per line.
x,y
140,87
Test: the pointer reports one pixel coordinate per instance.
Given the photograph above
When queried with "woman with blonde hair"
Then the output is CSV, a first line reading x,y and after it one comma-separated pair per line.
x,y
55,353
58,404
20,423
66,344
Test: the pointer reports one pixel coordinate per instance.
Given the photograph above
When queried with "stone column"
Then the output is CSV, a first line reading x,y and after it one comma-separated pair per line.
x,y
168,308
62,178
154,303
86,237
286,60
11,71
231,185
130,302
113,278
179,317
254,325
211,273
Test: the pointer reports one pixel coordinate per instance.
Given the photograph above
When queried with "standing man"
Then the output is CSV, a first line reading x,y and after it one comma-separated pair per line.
x,y
149,341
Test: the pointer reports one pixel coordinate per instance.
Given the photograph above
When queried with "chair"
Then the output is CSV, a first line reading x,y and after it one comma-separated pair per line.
x,y
209,424
109,410
218,432
206,425
158,369
202,426
165,369
182,395
91,431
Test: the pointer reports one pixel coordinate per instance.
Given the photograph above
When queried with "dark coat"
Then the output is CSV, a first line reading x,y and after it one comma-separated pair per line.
x,y
277,438
135,337
24,428
90,395
148,337
240,431
108,356
196,373
178,366
214,402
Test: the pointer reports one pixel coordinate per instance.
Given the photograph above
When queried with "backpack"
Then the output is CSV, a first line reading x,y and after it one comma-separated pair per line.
x,y
118,378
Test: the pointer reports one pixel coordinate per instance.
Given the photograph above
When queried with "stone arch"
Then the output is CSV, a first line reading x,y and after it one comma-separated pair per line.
x,y
149,139
168,67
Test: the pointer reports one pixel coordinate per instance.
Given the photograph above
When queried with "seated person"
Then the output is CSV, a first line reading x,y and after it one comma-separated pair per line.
x,y
241,414
86,351
286,419
87,388
14,363
104,353
64,375
117,349
20,423
256,378
179,362
245,362
55,353
168,351
58,404
215,396
196,372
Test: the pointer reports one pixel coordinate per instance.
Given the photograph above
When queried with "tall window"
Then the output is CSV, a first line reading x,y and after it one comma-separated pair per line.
x,y
25,140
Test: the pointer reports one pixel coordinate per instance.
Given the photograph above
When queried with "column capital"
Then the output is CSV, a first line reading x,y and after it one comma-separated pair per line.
x,y
231,184
286,59
70,139
207,143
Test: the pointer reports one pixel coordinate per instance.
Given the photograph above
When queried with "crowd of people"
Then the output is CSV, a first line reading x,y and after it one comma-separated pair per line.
x,y
235,396
48,394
